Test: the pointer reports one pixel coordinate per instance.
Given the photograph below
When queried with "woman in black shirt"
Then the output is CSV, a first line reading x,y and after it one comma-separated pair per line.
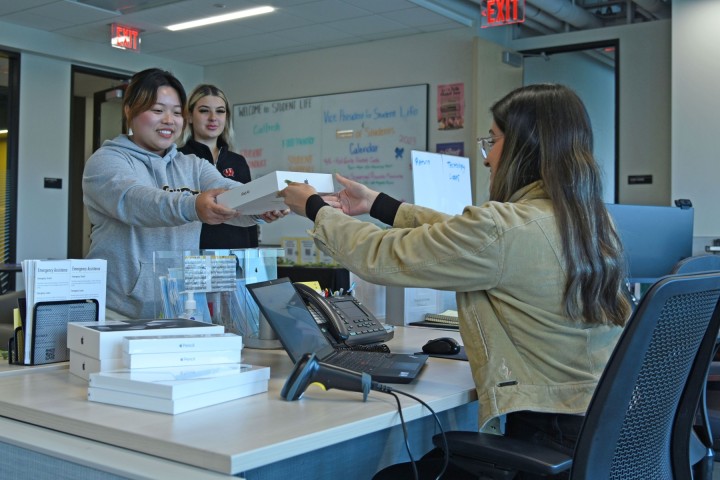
x,y
210,137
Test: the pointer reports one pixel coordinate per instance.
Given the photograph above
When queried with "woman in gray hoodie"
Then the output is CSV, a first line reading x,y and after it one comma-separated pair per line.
x,y
143,196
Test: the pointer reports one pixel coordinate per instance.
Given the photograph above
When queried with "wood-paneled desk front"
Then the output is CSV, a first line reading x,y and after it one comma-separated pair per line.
x,y
47,420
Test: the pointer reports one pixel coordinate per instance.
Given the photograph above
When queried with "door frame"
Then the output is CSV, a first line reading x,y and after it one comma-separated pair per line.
x,y
9,253
78,122
613,44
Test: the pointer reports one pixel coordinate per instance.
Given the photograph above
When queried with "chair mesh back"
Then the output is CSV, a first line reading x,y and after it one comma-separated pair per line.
x,y
643,408
664,371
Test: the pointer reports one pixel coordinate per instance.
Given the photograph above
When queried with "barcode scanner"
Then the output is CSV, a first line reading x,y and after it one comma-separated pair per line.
x,y
309,370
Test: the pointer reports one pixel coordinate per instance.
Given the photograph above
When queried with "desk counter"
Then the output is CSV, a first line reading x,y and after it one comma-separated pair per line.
x,y
242,435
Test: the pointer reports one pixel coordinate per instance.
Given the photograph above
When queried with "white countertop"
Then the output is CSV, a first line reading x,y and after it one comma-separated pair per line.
x,y
239,435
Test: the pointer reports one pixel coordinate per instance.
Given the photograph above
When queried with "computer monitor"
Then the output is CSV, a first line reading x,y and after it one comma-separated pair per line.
x,y
654,238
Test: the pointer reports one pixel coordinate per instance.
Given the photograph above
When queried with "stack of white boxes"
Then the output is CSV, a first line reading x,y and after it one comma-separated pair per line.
x,y
181,350
169,366
178,389
98,347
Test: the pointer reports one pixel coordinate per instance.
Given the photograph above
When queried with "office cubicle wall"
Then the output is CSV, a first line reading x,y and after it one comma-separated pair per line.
x,y
654,238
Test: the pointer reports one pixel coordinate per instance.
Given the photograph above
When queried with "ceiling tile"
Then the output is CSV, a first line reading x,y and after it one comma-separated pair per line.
x,y
56,15
367,25
12,6
381,6
327,11
314,34
416,17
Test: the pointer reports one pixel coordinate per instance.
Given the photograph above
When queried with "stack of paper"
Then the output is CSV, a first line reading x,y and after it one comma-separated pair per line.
x,y
448,317
96,347
49,282
178,389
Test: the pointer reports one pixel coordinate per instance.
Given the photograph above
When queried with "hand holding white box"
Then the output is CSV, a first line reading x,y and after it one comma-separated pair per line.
x,y
261,195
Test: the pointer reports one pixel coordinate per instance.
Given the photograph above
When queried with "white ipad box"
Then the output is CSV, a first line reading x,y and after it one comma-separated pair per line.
x,y
82,365
179,359
260,195
182,343
179,382
104,340
180,405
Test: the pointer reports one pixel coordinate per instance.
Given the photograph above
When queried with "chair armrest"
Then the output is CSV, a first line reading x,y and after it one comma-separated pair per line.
x,y
507,453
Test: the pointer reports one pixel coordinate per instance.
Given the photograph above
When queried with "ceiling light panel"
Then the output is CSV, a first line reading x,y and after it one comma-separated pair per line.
x,y
225,17
123,6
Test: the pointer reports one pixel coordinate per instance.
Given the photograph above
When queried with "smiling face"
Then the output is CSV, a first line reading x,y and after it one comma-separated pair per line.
x,y
157,128
208,118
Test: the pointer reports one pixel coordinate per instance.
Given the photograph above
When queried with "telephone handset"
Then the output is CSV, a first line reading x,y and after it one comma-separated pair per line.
x,y
344,318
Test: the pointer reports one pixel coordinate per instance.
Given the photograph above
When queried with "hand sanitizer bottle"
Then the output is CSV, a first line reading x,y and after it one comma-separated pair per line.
x,y
191,312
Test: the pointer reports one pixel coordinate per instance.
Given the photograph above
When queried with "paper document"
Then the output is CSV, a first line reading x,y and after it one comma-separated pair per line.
x,y
54,280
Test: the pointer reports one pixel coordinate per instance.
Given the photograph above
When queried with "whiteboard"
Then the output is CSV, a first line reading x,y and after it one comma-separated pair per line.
x,y
441,182
366,136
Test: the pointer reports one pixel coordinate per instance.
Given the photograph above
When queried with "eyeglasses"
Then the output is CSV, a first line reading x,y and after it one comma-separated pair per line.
x,y
487,143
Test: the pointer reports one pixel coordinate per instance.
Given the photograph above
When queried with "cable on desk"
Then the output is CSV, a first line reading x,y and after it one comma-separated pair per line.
x,y
310,370
405,434
379,387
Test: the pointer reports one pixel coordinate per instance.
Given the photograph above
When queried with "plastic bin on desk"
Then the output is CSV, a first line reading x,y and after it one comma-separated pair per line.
x,y
258,265
233,308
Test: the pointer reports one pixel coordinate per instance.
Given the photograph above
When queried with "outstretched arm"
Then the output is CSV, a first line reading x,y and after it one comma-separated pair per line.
x,y
354,199
296,196
211,212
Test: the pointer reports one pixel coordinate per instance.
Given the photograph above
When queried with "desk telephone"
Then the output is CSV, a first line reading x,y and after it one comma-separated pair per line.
x,y
343,319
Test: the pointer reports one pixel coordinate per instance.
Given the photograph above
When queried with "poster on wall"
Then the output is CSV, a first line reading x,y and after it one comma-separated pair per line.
x,y
451,148
451,106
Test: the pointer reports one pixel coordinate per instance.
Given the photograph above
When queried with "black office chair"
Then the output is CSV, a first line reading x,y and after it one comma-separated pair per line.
x,y
642,415
698,264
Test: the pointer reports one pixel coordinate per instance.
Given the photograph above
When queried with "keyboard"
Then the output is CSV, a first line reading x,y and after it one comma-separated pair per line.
x,y
361,361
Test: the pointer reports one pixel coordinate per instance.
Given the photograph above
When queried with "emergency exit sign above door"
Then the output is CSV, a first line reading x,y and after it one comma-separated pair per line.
x,y
127,38
502,12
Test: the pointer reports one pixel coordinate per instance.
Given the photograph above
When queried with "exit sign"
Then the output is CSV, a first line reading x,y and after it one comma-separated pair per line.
x,y
127,38
502,12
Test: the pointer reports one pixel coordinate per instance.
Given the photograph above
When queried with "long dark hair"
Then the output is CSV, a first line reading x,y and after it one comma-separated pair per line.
x,y
547,136
141,93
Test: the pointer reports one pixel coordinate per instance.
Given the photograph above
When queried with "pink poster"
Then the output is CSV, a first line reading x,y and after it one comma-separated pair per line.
x,y
451,106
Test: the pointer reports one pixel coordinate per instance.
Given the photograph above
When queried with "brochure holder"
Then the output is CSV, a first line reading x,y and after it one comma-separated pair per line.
x,y
48,338
205,274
